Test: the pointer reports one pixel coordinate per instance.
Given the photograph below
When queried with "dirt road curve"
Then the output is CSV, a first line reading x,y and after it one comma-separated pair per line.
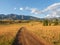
x,y
24,37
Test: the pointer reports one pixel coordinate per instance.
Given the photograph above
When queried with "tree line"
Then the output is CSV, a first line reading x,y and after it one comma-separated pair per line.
x,y
48,22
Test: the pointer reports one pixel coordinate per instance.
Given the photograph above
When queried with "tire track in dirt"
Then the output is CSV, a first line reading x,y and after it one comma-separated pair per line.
x,y
25,37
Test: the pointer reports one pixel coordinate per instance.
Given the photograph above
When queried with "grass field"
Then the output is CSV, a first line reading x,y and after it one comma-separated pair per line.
x,y
49,33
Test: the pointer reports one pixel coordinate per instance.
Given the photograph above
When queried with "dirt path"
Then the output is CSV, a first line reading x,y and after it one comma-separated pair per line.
x,y
24,37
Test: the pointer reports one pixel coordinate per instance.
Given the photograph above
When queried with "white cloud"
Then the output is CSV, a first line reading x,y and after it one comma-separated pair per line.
x,y
52,7
24,8
54,10
35,11
21,9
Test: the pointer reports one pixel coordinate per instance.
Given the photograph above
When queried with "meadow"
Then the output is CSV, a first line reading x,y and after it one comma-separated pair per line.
x,y
49,33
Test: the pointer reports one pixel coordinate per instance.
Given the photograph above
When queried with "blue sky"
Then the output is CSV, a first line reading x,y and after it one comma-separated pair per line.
x,y
15,6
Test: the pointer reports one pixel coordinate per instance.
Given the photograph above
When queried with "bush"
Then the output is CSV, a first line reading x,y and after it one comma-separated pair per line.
x,y
45,22
56,22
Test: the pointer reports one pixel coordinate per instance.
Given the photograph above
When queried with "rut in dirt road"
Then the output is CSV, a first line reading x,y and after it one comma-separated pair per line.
x,y
25,37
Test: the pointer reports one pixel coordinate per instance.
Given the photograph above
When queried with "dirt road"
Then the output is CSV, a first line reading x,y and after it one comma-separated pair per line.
x,y
25,37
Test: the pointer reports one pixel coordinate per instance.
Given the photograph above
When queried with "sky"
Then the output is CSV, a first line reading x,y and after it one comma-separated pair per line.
x,y
37,8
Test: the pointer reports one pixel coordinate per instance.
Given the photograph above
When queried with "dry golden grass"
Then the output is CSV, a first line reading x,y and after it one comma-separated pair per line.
x,y
8,33
49,33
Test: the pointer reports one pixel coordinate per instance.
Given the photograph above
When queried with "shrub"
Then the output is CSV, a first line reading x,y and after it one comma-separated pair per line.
x,y
45,22
56,22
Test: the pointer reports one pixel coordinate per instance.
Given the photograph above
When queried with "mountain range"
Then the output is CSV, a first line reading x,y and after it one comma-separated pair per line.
x,y
22,17
17,17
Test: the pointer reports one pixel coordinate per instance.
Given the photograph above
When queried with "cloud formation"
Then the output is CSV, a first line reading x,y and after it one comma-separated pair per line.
x,y
35,11
52,7
54,10
32,10
21,9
